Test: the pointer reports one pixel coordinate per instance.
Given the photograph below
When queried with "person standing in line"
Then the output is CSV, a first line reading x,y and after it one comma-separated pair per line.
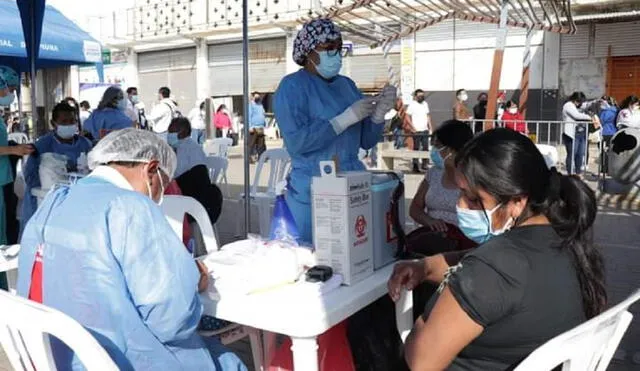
x,y
574,135
109,116
196,117
420,118
162,113
460,110
132,111
257,123
513,119
480,112
222,122
85,112
608,115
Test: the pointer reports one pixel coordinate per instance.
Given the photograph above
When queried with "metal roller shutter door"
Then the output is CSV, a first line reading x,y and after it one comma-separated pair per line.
x,y
173,68
370,71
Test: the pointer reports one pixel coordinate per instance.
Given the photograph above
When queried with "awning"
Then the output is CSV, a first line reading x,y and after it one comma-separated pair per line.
x,y
62,43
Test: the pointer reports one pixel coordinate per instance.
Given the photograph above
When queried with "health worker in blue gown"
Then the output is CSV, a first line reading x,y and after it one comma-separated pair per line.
x,y
323,116
102,252
109,116
64,140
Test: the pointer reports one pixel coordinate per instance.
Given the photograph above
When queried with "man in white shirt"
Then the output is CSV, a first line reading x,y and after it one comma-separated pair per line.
x,y
131,111
418,112
163,112
85,112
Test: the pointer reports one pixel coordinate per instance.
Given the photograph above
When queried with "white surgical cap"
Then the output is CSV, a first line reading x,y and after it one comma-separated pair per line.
x,y
133,145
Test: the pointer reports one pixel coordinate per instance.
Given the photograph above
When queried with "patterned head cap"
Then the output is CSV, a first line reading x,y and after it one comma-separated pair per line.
x,y
317,31
10,76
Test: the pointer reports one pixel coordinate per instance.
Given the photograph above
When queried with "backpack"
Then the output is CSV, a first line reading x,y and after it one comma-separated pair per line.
x,y
175,113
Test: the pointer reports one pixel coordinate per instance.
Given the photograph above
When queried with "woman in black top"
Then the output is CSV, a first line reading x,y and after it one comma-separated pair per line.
x,y
537,275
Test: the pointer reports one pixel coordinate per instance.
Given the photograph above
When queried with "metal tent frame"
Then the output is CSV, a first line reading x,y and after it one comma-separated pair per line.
x,y
380,23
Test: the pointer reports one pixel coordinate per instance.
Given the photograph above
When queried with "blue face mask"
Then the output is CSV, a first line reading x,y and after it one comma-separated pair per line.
x,y
172,139
122,105
477,224
436,157
7,99
66,131
329,65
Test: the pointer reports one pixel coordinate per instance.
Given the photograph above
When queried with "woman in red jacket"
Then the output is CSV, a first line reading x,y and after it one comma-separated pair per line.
x,y
513,119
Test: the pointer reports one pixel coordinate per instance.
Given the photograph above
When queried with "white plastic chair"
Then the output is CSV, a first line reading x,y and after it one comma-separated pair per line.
x,y
218,147
175,208
218,171
587,347
550,154
9,264
19,187
23,327
279,166
20,138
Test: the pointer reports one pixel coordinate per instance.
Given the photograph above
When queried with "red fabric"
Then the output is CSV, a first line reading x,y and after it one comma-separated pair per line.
x,y
174,189
222,121
334,352
35,290
514,121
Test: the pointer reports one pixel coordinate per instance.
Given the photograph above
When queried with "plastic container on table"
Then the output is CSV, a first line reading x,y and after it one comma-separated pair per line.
x,y
383,184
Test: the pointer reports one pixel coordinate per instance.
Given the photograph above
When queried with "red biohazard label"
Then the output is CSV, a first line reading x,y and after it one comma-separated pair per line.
x,y
35,290
361,226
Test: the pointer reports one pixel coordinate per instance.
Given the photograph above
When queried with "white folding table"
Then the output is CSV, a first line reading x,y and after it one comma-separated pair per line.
x,y
305,318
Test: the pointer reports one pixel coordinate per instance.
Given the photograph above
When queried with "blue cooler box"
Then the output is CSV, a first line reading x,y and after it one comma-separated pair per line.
x,y
384,239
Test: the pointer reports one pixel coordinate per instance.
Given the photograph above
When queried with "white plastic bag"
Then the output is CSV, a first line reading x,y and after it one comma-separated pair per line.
x,y
53,169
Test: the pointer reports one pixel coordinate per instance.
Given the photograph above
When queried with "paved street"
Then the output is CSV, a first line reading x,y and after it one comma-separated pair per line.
x,y
616,231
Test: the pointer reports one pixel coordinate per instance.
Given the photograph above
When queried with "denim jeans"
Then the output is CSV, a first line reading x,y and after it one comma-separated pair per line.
x,y
420,142
197,135
575,148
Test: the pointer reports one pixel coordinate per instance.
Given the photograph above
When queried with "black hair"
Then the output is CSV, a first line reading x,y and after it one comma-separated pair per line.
x,y
510,103
221,107
418,91
577,96
460,91
628,101
202,105
165,92
85,104
506,165
610,100
131,89
183,124
453,134
60,108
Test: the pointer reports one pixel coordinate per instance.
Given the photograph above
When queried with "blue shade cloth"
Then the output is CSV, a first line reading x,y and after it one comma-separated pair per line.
x,y
46,144
112,262
304,105
62,42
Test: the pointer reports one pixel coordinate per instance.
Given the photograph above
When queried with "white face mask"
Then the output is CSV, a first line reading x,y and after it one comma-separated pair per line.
x,y
463,97
513,110
150,194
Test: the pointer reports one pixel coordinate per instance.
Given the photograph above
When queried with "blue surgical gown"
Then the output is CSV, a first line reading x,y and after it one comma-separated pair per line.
x,y
6,177
106,119
46,144
304,105
112,262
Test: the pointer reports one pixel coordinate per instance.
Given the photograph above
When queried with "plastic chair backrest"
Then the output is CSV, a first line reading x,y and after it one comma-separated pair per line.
x,y
279,163
20,138
587,347
219,147
217,168
175,207
24,326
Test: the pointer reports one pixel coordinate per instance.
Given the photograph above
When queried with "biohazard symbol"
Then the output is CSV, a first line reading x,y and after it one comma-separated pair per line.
x,y
361,226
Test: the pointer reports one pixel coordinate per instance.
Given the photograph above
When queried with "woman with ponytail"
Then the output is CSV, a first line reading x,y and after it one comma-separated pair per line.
x,y
536,274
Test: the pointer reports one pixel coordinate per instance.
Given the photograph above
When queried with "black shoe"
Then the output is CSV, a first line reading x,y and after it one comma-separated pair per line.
x,y
416,169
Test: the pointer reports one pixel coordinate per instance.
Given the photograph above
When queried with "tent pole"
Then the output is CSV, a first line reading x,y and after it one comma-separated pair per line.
x,y
498,56
34,53
245,91
524,83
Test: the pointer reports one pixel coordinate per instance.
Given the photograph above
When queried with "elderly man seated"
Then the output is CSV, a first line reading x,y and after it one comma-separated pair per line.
x,y
102,252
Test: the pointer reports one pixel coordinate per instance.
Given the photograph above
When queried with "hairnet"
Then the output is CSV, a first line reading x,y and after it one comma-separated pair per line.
x,y
317,31
10,76
133,145
109,96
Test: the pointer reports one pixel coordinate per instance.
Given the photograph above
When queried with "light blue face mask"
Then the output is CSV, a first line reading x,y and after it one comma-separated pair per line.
x,y
329,65
436,157
7,99
122,105
66,131
172,139
477,224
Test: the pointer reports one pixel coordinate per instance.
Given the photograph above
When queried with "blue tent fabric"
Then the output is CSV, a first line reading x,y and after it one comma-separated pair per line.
x,y
62,42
